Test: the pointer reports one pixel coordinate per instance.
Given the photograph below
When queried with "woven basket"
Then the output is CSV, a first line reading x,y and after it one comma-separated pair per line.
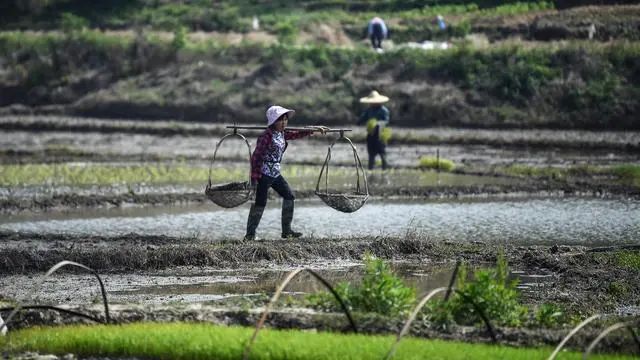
x,y
346,202
231,194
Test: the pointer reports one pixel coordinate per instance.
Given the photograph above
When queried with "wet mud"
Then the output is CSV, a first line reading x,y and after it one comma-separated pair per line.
x,y
578,277
575,277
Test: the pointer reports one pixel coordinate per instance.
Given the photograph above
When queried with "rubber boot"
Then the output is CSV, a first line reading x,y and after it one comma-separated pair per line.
x,y
255,214
287,218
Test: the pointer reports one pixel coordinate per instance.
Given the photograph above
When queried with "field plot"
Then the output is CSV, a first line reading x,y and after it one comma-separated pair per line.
x,y
507,225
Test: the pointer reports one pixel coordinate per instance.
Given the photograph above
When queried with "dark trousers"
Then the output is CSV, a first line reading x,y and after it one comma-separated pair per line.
x,y
376,36
376,147
279,184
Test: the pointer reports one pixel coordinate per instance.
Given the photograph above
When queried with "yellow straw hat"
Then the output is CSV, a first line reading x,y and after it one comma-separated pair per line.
x,y
374,98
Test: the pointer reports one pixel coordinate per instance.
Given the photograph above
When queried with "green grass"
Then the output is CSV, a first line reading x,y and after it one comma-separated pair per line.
x,y
628,173
203,341
151,173
628,259
429,162
98,174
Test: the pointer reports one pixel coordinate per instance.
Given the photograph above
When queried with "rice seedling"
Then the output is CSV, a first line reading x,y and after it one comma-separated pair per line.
x,y
206,341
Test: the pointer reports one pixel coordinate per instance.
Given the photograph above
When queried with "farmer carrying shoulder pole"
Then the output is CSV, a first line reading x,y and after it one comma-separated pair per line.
x,y
377,118
265,170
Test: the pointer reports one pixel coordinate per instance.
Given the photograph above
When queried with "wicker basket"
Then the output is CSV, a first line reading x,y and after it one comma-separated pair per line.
x,y
344,202
231,194
347,202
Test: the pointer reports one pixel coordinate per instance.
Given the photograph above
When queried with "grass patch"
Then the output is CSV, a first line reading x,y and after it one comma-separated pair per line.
x,y
78,175
151,173
628,173
531,171
204,341
429,162
628,259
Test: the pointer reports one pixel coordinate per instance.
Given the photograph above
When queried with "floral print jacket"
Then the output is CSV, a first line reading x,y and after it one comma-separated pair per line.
x,y
270,147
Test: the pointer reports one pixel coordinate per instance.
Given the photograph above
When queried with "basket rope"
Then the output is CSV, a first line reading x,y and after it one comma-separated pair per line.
x,y
234,197
360,173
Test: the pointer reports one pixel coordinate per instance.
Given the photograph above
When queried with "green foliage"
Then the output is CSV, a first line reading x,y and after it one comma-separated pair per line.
x,y
429,162
491,290
206,341
65,174
549,315
287,31
380,292
179,38
70,23
629,173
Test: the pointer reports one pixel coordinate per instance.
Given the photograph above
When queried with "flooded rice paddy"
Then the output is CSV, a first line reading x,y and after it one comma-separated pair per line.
x,y
580,221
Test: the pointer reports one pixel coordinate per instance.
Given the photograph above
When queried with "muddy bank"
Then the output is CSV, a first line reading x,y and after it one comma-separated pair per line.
x,y
580,278
105,199
43,127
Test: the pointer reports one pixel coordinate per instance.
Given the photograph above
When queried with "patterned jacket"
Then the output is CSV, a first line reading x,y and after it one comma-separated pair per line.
x,y
270,147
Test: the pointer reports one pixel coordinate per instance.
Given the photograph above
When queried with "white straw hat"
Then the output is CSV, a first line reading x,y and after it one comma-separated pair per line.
x,y
374,98
274,112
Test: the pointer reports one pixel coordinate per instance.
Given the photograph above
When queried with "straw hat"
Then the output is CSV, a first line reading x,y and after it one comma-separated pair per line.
x,y
274,113
374,98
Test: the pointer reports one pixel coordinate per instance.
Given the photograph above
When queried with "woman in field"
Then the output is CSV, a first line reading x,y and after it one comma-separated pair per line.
x,y
265,170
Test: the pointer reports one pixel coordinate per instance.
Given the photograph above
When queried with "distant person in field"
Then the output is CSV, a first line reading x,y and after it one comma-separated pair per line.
x,y
377,118
377,31
441,24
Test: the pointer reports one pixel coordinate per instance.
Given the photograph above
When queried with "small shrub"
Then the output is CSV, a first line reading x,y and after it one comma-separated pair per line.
x,y
179,38
549,315
381,292
490,290
286,31
429,162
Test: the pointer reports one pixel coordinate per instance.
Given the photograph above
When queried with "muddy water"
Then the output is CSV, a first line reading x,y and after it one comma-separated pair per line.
x,y
203,285
538,221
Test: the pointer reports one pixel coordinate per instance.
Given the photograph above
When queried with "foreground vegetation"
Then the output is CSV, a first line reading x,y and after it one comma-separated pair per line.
x,y
205,341
490,290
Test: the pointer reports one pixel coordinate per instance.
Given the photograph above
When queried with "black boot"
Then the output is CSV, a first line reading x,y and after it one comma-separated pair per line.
x,y
255,214
287,218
